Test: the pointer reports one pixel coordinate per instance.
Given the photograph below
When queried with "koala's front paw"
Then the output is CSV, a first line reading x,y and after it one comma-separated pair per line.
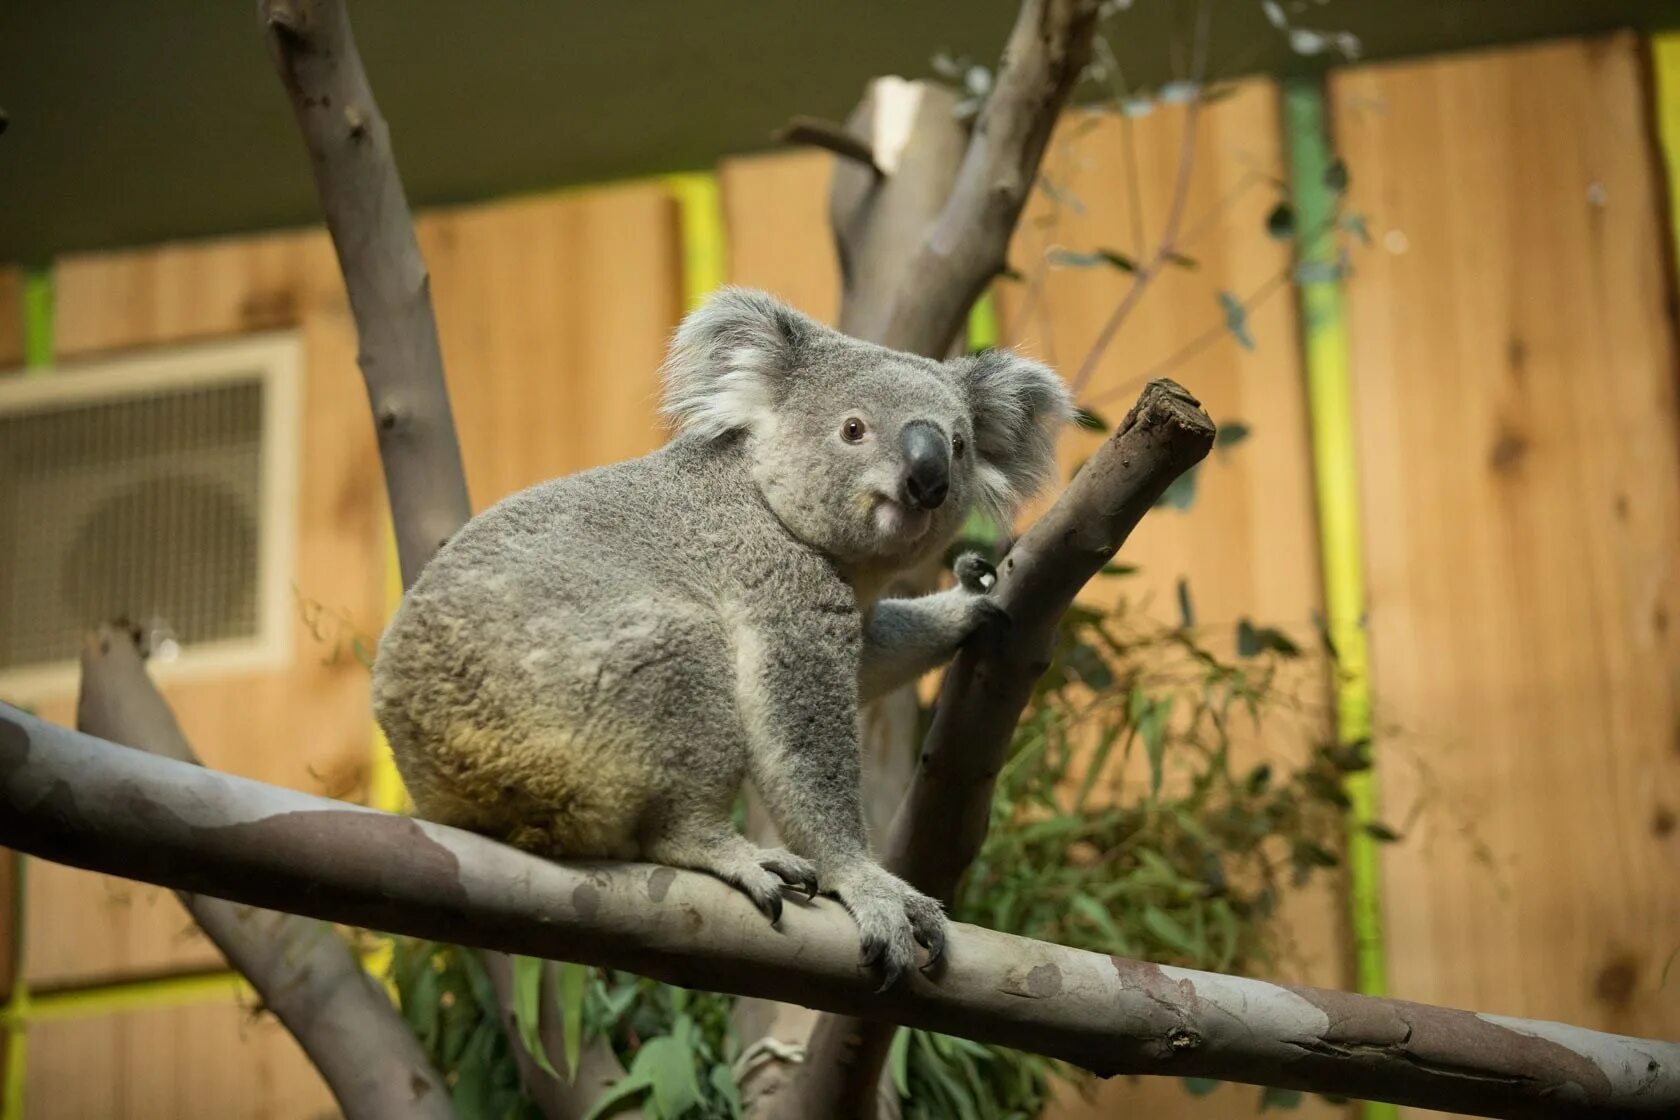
x,y
892,917
975,573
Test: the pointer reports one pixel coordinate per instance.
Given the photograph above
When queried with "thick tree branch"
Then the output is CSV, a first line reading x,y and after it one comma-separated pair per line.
x,y
390,293
969,243
942,823
77,800
301,967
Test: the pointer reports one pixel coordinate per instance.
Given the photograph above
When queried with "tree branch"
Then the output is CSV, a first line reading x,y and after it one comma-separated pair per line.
x,y
818,133
301,967
390,292
969,243
77,800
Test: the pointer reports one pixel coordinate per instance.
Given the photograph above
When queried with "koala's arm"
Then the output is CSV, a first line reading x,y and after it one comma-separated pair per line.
x,y
905,638
799,692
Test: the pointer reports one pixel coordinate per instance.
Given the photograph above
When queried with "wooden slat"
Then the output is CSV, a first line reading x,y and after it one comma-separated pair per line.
x,y
11,316
554,313
1247,547
1514,380
215,1059
776,211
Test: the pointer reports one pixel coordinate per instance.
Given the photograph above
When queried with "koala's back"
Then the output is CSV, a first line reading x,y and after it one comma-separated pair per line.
x,y
560,650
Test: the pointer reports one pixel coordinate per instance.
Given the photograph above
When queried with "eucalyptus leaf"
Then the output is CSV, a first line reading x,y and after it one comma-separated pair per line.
x,y
1236,319
1089,420
527,1009
1068,258
723,1084
1280,222
1167,929
574,981
898,1061
1229,434
1272,1097
1336,175
622,1091
1180,493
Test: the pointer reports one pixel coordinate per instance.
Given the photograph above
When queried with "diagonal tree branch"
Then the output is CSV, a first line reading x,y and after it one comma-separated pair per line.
x,y
77,800
372,230
968,245
390,293
301,967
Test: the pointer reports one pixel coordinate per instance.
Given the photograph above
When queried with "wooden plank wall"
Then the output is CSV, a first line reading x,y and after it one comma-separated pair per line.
x,y
1514,375
553,311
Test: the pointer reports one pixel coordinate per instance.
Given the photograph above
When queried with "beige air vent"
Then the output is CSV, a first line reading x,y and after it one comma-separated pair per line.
x,y
159,488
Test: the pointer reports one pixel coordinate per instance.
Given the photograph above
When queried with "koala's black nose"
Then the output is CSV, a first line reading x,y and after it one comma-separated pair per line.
x,y
927,465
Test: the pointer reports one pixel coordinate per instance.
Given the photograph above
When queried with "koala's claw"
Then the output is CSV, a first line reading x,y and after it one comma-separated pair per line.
x,y
892,918
793,870
975,573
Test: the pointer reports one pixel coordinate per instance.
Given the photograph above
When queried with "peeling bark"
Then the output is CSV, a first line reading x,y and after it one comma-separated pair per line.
x,y
77,800
301,967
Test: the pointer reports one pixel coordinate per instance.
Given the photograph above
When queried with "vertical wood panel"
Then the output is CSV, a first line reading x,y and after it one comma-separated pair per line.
x,y
776,211
1514,380
219,1060
11,316
1248,546
554,313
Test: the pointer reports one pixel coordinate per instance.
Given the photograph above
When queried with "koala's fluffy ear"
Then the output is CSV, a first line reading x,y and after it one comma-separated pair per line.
x,y
1019,407
727,362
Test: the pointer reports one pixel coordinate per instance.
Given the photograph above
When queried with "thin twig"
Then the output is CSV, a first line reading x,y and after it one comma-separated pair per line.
x,y
1190,349
1163,253
831,137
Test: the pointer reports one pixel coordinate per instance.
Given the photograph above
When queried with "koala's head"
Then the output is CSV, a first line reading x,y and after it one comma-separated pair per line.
x,y
872,456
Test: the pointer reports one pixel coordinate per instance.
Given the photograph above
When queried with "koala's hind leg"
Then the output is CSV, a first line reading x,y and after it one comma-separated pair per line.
x,y
705,843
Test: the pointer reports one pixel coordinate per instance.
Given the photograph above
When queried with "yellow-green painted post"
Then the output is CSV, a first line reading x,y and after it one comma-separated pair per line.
x,y
1335,475
14,1016
705,242
38,318
1665,71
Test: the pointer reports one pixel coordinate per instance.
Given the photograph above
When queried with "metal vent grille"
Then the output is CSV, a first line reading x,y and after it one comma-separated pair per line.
x,y
149,498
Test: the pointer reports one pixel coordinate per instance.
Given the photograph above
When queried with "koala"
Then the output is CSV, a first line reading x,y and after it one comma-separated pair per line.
x,y
593,666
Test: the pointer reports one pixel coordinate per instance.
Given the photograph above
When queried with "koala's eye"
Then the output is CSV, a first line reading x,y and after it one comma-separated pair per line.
x,y
957,444
852,430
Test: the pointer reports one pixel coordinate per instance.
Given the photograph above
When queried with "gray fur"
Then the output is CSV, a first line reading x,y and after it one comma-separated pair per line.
x,y
592,666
